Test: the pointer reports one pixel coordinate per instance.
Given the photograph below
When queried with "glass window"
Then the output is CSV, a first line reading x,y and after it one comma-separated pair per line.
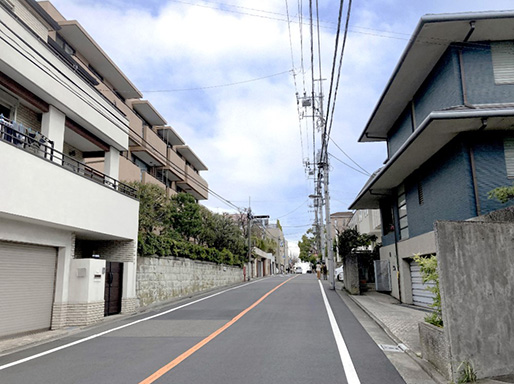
x,y
402,213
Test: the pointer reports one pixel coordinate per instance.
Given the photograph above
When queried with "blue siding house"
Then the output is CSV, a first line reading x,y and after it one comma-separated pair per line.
x,y
447,116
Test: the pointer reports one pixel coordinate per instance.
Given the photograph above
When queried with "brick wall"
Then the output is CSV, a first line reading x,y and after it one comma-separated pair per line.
x,y
111,250
28,118
28,18
84,314
166,278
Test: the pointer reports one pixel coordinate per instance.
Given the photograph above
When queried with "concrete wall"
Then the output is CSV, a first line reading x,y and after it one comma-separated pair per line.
x,y
476,278
160,279
351,274
42,191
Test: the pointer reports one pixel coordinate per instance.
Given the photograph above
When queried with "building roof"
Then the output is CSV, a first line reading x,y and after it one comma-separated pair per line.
x,y
170,136
77,36
191,157
429,41
438,129
147,111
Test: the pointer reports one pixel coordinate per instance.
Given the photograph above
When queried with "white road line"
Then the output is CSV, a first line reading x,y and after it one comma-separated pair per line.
x,y
17,362
349,369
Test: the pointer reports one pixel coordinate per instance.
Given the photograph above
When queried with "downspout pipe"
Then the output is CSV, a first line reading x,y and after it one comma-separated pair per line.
x,y
461,68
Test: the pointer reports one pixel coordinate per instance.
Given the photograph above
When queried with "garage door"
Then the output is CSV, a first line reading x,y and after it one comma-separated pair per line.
x,y
27,279
420,295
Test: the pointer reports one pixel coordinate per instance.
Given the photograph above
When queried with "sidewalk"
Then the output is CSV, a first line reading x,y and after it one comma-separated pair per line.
x,y
400,322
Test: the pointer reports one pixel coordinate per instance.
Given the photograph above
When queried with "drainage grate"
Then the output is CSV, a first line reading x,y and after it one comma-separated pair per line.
x,y
390,348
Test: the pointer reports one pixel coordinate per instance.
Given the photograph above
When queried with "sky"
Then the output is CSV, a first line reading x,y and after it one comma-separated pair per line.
x,y
225,74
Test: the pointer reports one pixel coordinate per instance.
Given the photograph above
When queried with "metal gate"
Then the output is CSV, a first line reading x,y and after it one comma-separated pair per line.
x,y
420,295
27,285
113,287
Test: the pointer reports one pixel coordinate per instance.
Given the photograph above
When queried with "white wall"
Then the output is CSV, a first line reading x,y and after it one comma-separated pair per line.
x,y
41,190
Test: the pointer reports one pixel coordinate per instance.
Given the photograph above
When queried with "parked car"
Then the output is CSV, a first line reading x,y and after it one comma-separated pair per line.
x,y
298,270
338,273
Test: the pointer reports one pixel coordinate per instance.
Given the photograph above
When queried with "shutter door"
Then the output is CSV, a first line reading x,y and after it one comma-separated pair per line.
x,y
509,157
420,295
27,279
503,63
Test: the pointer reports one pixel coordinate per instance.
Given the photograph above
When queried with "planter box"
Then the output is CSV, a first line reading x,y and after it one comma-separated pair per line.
x,y
435,348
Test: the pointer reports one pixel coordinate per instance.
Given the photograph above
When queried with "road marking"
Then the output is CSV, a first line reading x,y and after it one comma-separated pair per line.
x,y
21,361
172,364
349,369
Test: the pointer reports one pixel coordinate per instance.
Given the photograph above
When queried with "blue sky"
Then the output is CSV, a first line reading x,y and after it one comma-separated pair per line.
x,y
220,72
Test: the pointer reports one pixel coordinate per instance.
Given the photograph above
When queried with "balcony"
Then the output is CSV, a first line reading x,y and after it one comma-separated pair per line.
x,y
174,170
149,179
129,171
194,184
43,185
35,143
152,150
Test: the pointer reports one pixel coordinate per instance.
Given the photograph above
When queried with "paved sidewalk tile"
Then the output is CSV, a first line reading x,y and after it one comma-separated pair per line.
x,y
402,321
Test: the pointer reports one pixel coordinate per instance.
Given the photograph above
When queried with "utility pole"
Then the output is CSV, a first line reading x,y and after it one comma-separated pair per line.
x,y
330,251
250,270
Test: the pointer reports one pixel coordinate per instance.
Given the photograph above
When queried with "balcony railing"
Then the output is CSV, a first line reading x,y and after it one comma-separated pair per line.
x,y
36,143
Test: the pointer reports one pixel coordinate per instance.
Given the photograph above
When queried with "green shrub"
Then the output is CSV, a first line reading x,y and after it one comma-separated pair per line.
x,y
428,267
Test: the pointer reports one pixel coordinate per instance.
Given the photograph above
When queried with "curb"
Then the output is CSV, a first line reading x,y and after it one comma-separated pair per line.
x,y
425,365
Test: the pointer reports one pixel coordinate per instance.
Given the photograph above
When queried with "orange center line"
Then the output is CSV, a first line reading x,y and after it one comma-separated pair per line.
x,y
172,364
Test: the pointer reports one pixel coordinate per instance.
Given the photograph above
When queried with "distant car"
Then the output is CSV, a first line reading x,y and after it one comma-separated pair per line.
x,y
298,270
309,269
338,273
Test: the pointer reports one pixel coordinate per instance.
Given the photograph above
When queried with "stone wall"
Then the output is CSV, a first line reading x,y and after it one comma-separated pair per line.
x,y
435,348
160,279
476,275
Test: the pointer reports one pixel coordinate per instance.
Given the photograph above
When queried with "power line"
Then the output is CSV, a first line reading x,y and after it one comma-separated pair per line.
x,y
339,69
220,85
348,156
348,165
294,210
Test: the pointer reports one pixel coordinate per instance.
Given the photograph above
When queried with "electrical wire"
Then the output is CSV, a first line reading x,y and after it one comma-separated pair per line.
x,y
348,165
220,85
348,156
336,46
339,69
294,210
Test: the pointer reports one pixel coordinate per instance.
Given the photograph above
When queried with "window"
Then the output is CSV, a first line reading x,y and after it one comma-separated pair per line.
x,y
508,145
421,197
64,45
5,112
503,62
402,213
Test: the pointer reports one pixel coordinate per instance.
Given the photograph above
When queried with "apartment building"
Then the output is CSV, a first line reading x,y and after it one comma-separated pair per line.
x,y
156,153
72,125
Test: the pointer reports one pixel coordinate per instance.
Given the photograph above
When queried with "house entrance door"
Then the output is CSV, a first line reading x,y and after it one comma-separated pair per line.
x,y
113,287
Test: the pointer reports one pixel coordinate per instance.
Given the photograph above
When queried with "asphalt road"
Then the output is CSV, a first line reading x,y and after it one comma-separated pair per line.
x,y
273,330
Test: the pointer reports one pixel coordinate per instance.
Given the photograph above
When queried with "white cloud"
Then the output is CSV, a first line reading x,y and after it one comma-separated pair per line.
x,y
248,134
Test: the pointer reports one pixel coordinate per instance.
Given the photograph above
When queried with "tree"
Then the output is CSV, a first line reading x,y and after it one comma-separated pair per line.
x,y
307,247
185,217
181,227
350,240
